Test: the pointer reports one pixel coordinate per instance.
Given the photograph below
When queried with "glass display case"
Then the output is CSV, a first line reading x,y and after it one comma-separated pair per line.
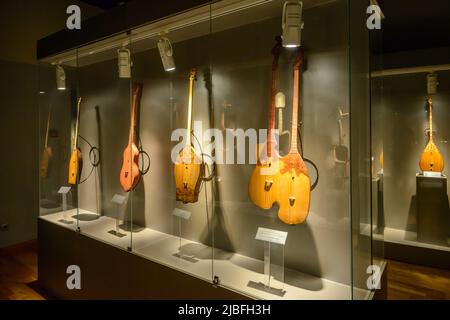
x,y
211,145
411,135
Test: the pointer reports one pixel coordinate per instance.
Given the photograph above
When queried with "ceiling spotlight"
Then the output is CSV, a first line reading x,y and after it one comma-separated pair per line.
x,y
166,52
124,63
292,24
60,78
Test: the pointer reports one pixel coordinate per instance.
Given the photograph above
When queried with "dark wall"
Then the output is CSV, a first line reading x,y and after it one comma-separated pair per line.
x,y
22,23
18,121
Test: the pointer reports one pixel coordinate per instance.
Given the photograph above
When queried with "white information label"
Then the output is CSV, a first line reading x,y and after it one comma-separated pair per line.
x,y
183,214
431,174
273,236
64,190
118,199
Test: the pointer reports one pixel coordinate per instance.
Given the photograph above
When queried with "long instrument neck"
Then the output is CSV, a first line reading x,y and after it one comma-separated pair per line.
x,y
272,105
294,129
430,103
77,124
133,116
189,120
48,128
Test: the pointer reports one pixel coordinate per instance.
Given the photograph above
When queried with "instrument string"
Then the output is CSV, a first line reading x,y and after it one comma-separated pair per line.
x,y
314,185
204,180
92,158
142,153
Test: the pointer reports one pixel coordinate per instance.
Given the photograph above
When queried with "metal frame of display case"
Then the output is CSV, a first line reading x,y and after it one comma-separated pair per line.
x,y
106,266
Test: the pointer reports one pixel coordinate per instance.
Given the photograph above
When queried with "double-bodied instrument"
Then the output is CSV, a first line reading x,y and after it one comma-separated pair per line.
x,y
130,174
189,167
76,158
431,159
293,182
262,188
47,152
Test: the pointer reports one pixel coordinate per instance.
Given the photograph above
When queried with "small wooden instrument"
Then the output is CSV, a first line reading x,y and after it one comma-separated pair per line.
x,y
130,174
262,188
293,182
431,159
76,158
189,167
47,152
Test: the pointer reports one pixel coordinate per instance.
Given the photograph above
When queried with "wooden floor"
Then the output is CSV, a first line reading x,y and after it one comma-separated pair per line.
x,y
412,282
18,277
18,273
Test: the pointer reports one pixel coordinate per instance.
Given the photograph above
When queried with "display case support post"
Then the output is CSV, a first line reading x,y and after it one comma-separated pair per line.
x,y
267,262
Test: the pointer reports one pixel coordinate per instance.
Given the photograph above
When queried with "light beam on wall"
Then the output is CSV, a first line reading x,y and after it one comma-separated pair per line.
x,y
60,78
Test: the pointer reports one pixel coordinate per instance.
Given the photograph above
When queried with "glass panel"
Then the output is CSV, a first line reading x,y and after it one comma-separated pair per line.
x,y
58,87
317,255
104,206
361,182
153,188
378,214
416,205
167,230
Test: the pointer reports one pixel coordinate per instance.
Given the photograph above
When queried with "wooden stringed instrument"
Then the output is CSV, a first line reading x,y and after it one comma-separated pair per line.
x,y
76,158
262,187
431,159
47,152
293,182
130,174
189,167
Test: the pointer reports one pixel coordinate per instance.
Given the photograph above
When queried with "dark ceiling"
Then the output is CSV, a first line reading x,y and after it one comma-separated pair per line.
x,y
415,24
409,24
105,4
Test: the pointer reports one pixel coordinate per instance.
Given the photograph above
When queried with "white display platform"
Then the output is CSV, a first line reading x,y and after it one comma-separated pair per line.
x,y
410,238
235,271
401,237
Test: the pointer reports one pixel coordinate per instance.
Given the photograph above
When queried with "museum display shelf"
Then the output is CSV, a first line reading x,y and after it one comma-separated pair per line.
x,y
240,273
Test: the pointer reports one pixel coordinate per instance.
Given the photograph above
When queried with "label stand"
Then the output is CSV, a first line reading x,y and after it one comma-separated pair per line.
x,y
64,191
269,272
180,240
272,239
182,215
118,201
